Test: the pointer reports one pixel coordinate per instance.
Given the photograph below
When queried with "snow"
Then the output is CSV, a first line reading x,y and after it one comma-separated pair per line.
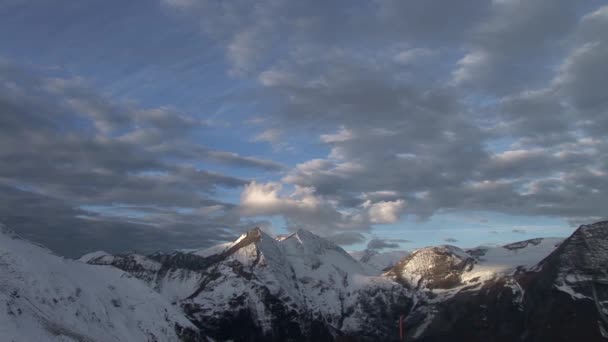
x,y
49,298
94,255
422,327
518,292
311,276
569,290
145,262
505,260
441,272
376,262
212,250
314,278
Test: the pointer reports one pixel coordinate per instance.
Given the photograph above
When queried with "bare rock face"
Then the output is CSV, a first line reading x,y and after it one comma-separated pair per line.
x,y
432,268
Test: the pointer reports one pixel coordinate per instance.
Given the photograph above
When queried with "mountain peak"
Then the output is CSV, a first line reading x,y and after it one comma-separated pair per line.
x,y
585,251
306,232
306,235
433,267
304,277
300,234
589,229
255,233
314,243
250,236
255,230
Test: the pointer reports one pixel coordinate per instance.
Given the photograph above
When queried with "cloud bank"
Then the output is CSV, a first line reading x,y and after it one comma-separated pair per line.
x,y
375,111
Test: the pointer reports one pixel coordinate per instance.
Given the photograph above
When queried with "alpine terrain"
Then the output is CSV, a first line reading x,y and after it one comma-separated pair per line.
x,y
302,287
45,297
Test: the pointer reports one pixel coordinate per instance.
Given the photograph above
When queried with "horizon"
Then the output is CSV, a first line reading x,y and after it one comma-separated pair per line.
x,y
179,124
351,251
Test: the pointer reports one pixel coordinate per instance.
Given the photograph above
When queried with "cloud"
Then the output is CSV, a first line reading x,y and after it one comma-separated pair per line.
x,y
86,150
347,238
248,31
270,135
404,108
378,244
381,244
510,44
519,231
301,208
234,159
433,146
450,240
72,231
385,212
274,137
412,55
304,208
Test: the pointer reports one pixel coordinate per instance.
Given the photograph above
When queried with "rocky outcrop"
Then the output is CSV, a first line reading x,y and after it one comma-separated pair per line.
x,y
562,298
432,268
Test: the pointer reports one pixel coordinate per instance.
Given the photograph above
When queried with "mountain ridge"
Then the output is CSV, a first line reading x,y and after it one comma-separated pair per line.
x,y
302,287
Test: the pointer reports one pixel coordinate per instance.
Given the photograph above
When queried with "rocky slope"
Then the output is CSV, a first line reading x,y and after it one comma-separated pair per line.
x,y
539,293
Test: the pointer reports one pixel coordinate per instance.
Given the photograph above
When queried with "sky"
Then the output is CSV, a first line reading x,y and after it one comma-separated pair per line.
x,y
383,124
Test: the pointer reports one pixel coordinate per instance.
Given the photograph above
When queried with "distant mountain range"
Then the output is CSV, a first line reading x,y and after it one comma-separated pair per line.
x,y
305,288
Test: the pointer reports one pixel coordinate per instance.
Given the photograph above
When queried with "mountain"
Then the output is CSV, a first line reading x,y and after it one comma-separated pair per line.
x,y
45,297
297,287
302,288
452,268
534,290
377,262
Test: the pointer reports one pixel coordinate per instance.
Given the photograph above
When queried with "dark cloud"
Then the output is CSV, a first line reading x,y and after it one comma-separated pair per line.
x,y
68,147
381,244
378,244
494,106
511,48
347,238
450,240
71,231
512,140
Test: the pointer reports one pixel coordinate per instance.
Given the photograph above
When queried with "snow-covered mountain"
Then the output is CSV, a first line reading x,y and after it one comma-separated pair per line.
x,y
449,267
377,262
534,290
45,297
296,287
303,287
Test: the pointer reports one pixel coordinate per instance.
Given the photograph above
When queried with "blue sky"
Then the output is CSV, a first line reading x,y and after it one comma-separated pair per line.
x,y
181,123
